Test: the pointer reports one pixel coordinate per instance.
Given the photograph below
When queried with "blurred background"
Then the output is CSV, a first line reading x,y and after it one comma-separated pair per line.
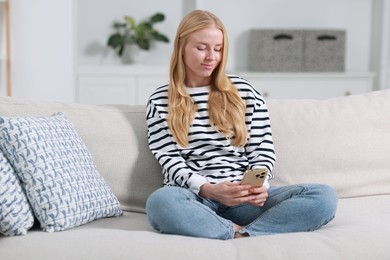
x,y
57,49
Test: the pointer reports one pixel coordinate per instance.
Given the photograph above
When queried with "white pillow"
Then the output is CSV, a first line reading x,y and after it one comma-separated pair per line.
x,y
59,176
15,213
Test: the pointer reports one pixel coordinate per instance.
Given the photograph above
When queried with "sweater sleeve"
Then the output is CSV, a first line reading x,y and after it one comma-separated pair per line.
x,y
163,146
259,148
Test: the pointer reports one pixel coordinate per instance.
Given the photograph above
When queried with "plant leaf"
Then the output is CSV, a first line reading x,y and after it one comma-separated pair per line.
x,y
121,49
144,44
115,40
158,17
159,37
130,21
146,26
118,25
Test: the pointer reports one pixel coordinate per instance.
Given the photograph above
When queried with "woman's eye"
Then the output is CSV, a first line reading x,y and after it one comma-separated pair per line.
x,y
201,48
218,50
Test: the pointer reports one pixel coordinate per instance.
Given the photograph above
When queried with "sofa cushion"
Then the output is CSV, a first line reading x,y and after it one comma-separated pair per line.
x,y
359,231
57,171
343,142
15,212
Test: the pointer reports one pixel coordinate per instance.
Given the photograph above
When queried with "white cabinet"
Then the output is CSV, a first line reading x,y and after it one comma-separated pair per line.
x,y
122,84
106,90
309,85
131,84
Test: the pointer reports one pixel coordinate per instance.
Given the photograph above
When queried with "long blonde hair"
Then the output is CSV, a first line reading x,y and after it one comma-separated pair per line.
x,y
225,106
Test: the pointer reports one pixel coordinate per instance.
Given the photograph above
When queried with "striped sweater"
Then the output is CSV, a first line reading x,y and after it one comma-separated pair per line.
x,y
209,156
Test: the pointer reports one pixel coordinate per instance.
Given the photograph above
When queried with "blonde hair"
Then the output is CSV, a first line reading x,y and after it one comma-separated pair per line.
x,y
225,106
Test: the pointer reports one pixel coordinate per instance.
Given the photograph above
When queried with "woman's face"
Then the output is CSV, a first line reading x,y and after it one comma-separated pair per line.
x,y
202,54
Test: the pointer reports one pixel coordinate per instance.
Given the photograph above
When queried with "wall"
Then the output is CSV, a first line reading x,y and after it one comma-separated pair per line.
x,y
239,17
95,27
42,49
354,16
385,64
49,39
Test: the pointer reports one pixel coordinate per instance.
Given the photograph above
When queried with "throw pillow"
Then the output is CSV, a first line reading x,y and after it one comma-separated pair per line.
x,y
60,178
15,213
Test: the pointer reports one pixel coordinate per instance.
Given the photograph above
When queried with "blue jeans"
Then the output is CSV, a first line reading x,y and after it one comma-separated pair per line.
x,y
294,208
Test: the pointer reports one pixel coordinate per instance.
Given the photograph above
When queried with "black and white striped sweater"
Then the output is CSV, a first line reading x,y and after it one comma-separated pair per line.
x,y
209,156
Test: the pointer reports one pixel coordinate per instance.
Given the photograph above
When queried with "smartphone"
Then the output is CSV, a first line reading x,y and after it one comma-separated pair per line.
x,y
254,177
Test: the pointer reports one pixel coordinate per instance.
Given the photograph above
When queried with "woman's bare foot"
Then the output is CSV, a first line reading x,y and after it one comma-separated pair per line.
x,y
237,234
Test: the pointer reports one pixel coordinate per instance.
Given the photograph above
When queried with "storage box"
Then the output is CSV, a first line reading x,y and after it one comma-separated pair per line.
x,y
297,50
324,50
275,50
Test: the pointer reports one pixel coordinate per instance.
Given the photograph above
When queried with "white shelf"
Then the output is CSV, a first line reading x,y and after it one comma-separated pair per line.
x,y
133,84
97,70
310,85
308,74
119,84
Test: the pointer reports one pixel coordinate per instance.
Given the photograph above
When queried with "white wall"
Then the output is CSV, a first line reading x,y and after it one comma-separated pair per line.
x,y
384,74
42,49
50,38
354,16
239,17
94,27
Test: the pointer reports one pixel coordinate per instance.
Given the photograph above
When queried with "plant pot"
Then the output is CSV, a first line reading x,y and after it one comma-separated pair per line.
x,y
133,54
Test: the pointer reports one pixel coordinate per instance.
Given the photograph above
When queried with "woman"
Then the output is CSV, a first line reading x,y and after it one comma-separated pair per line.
x,y
206,128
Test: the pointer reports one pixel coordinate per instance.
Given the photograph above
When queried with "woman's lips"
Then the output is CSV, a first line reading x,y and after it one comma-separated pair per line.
x,y
208,66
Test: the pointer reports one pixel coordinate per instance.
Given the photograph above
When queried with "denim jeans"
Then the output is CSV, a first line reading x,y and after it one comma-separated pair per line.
x,y
294,208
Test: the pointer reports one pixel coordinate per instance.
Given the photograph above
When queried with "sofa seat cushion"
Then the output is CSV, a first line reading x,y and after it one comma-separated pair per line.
x,y
360,230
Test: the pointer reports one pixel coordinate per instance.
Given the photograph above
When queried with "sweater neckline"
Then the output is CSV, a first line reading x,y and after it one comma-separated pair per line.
x,y
194,90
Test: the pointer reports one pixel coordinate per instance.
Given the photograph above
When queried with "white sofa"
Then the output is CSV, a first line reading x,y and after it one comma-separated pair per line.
x,y
343,142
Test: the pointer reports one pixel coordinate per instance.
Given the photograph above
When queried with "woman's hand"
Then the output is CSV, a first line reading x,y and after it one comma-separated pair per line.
x,y
258,196
233,194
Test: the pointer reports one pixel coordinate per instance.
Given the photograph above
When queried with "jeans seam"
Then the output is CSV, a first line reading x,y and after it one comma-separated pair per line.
x,y
323,224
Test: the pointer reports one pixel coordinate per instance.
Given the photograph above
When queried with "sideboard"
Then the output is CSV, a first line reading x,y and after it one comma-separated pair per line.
x,y
133,84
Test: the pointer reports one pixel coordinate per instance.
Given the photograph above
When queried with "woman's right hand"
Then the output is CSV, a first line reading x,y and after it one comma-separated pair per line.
x,y
227,193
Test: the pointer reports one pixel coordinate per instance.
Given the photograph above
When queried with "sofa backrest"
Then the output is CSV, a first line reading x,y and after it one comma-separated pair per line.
x,y
343,142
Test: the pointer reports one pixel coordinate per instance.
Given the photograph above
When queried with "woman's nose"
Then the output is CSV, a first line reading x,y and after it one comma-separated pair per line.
x,y
210,55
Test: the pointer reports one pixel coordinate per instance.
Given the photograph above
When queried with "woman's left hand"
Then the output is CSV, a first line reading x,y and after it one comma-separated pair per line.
x,y
258,196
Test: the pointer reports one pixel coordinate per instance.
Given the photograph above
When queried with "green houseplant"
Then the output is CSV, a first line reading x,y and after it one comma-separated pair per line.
x,y
131,33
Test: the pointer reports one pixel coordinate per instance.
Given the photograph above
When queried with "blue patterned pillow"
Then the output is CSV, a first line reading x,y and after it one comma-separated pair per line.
x,y
60,178
15,213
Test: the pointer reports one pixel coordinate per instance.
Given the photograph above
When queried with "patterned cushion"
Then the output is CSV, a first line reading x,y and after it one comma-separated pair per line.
x,y
60,178
15,213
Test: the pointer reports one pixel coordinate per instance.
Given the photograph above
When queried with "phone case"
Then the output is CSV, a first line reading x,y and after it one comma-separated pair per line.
x,y
254,177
